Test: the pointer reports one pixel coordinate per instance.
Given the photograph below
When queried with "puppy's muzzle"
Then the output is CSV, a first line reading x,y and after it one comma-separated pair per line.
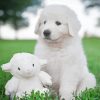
x,y
47,33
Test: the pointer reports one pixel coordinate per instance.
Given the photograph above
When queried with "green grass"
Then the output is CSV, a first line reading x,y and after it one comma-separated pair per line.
x,y
39,96
92,50
8,48
89,94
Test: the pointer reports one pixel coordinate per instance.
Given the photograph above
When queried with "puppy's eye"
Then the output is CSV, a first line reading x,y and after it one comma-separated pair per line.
x,y
33,65
45,22
18,68
58,23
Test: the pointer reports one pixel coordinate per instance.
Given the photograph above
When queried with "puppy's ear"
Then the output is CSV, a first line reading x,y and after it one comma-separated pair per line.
x,y
73,23
6,67
37,26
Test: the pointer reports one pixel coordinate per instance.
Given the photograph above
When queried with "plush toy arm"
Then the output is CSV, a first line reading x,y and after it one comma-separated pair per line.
x,y
45,78
11,86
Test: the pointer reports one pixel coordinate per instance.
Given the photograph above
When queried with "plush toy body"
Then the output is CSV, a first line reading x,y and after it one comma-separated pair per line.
x,y
18,87
27,76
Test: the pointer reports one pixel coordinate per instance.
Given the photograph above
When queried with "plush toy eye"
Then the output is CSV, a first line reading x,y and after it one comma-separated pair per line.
x,y
58,23
45,22
33,65
18,68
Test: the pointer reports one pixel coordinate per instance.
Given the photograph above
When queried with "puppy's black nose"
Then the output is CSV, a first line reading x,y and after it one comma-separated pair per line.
x,y
46,33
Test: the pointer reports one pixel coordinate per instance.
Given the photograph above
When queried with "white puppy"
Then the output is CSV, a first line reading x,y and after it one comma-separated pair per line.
x,y
60,44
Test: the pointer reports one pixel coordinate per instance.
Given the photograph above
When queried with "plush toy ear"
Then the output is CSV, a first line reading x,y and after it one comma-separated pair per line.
x,y
6,67
43,62
37,26
73,24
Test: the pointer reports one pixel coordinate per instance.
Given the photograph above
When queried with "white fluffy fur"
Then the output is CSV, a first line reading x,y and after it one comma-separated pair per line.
x,y
28,78
66,59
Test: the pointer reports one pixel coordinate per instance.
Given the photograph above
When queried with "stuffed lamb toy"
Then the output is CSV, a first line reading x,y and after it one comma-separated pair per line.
x,y
27,76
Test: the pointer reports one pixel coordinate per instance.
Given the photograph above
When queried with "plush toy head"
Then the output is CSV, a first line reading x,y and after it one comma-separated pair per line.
x,y
24,65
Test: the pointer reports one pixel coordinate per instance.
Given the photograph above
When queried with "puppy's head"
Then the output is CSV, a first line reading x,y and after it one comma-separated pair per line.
x,y
57,21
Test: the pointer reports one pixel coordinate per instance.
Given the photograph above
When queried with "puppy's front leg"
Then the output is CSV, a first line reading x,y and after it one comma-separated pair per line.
x,y
68,86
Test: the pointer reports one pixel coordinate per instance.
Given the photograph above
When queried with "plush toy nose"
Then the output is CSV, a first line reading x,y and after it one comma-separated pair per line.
x,y
28,70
